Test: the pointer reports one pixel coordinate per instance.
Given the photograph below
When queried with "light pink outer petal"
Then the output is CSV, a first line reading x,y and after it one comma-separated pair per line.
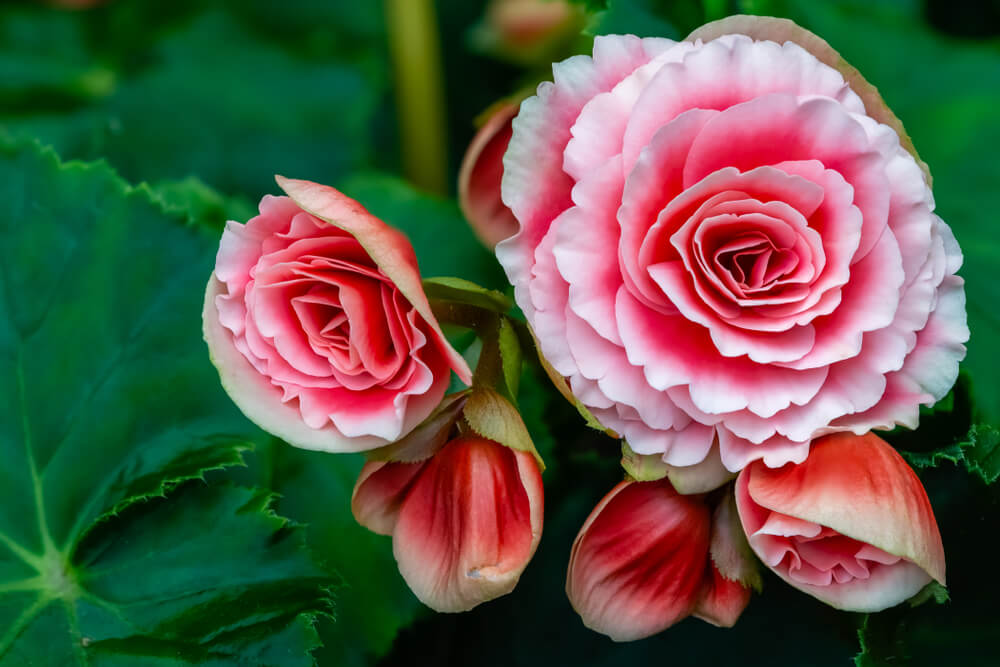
x,y
388,247
702,477
930,369
469,525
534,186
782,31
260,400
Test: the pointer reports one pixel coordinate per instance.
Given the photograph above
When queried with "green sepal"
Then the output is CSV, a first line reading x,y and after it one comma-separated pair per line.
x,y
643,467
459,290
493,417
932,592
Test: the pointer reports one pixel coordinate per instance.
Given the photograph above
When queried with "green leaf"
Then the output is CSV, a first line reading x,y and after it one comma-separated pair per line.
x,y
148,584
374,603
509,347
643,467
111,400
534,401
444,243
201,204
215,99
931,592
428,437
978,451
981,451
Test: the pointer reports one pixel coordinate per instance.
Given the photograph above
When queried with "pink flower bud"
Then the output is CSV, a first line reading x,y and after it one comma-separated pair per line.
x,y
529,32
480,175
464,523
638,564
852,525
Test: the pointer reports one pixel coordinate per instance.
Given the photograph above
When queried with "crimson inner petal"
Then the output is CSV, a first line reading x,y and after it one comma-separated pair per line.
x,y
345,320
747,256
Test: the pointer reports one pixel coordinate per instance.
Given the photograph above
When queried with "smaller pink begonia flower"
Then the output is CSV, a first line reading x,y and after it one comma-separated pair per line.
x,y
317,321
851,526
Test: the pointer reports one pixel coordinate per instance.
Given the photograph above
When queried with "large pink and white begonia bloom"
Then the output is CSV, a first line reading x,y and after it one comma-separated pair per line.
x,y
720,242
317,321
852,526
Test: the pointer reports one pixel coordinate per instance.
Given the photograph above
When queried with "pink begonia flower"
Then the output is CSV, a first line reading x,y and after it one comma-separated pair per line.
x,y
852,526
317,321
464,523
480,174
648,557
725,240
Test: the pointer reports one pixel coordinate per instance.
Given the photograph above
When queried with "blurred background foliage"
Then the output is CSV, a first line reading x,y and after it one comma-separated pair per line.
x,y
206,99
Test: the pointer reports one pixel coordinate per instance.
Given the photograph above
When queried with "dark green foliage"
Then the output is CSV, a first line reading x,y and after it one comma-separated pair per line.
x,y
111,403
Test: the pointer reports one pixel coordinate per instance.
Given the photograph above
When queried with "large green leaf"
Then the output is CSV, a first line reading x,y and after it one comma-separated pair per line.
x,y
110,399
374,602
150,587
214,98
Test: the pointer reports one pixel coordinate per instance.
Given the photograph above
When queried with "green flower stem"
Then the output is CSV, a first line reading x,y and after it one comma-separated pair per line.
x,y
414,45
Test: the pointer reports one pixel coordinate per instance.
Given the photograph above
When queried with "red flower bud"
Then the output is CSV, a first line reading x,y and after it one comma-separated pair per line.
x,y
637,565
480,175
648,557
464,523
